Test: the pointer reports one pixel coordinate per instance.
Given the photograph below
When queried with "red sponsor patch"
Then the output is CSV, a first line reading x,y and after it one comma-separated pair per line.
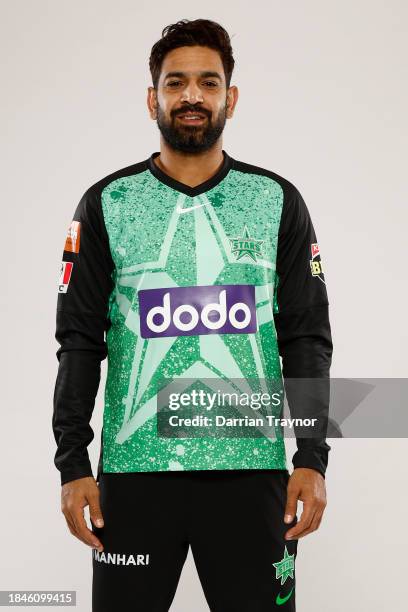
x,y
65,276
315,249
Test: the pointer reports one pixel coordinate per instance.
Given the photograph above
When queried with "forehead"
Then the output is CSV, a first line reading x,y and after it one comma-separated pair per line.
x,y
192,61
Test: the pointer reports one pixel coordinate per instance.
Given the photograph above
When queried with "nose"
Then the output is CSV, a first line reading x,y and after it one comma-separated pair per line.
x,y
192,94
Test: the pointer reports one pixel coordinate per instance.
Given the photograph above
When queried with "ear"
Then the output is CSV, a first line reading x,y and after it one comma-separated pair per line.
x,y
152,102
232,99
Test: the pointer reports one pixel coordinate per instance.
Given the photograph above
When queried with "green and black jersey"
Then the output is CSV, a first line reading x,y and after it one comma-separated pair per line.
x,y
145,260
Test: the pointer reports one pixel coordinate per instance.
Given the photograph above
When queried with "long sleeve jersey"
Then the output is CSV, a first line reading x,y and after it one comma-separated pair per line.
x,y
145,259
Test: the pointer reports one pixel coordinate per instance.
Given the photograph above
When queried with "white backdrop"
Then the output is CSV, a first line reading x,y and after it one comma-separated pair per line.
x,y
323,101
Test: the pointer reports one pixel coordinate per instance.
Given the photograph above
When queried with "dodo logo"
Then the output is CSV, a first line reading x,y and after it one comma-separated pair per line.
x,y
188,311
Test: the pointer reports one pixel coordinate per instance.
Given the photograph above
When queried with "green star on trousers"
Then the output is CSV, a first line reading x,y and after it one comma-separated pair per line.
x,y
284,568
246,246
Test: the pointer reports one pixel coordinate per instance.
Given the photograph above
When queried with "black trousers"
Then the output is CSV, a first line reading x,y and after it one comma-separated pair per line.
x,y
233,521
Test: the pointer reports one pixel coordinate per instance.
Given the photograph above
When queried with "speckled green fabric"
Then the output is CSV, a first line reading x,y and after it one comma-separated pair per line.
x,y
155,246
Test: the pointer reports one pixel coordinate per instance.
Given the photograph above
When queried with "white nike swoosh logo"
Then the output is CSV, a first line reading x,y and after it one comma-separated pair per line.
x,y
189,209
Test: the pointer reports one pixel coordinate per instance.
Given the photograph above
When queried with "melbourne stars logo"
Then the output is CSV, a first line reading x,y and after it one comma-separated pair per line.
x,y
284,568
245,245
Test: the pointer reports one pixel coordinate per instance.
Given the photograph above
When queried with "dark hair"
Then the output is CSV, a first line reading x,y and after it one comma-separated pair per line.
x,y
184,33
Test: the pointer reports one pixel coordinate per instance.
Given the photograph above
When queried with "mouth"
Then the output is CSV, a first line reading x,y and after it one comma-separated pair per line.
x,y
192,118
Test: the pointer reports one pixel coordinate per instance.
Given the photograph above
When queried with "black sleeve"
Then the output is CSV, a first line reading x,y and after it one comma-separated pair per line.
x,y
82,318
301,314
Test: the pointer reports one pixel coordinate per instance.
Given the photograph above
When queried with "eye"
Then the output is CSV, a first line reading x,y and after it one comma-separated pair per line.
x,y
211,83
173,83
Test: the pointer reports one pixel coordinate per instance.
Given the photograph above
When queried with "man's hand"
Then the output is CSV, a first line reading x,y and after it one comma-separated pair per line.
x,y
308,485
75,495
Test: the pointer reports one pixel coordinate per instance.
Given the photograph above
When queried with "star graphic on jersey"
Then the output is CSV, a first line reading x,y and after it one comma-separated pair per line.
x,y
188,357
284,568
245,245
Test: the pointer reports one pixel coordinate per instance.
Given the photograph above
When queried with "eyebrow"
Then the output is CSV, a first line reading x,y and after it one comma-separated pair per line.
x,y
206,74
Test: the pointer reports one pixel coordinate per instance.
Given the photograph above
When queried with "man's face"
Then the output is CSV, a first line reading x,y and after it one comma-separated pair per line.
x,y
191,103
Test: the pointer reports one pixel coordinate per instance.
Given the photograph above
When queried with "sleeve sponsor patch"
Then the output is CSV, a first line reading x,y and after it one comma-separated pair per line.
x,y
315,249
316,267
73,238
65,276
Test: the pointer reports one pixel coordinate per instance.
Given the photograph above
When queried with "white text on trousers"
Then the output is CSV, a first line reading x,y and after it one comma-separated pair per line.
x,y
118,559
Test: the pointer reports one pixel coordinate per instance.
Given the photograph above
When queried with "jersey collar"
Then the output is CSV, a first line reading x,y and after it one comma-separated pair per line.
x,y
186,189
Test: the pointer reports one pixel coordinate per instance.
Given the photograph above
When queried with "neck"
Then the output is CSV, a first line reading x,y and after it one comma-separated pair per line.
x,y
192,170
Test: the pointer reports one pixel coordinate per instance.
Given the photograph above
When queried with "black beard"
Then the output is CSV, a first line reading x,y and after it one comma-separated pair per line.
x,y
191,138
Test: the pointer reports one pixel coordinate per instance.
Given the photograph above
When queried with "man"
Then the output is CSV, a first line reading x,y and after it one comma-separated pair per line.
x,y
198,267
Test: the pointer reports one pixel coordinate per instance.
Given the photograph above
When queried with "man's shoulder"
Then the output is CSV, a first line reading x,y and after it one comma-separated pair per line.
x,y
96,188
289,188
